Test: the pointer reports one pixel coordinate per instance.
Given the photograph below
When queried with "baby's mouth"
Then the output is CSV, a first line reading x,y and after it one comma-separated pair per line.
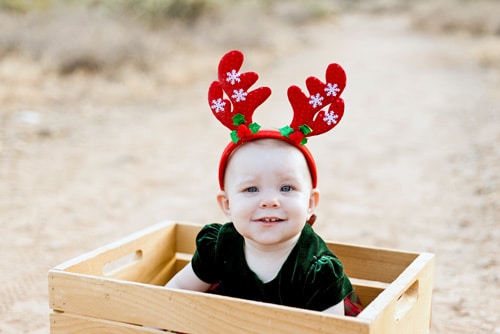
x,y
270,220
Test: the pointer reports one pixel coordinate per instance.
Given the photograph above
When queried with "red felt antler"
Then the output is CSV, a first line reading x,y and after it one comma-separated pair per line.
x,y
236,111
310,119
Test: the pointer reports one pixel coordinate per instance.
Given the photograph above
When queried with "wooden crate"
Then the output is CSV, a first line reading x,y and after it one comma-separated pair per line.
x,y
119,289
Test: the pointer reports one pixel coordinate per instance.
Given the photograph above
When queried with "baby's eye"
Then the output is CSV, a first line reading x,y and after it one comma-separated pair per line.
x,y
286,188
251,189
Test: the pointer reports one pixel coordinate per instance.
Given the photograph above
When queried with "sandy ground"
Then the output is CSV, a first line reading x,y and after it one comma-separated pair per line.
x,y
415,164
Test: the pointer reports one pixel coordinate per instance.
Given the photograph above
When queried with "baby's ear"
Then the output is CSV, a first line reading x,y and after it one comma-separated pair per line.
x,y
223,201
313,200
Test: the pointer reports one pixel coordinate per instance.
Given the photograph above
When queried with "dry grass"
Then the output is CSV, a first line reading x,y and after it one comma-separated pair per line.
x,y
473,17
68,39
478,19
102,36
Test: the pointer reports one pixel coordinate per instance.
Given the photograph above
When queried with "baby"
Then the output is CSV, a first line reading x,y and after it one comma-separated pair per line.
x,y
269,251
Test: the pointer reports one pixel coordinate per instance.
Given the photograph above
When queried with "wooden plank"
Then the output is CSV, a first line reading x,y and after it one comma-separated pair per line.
x,y
368,290
167,272
185,311
405,306
146,253
186,237
371,263
63,323
156,250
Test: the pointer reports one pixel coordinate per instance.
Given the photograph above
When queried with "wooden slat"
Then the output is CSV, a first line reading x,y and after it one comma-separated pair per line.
x,y
186,237
63,323
370,263
405,305
368,290
165,274
185,311
155,247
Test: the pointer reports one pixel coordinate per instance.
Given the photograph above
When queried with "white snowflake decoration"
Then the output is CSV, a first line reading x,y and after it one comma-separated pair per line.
x,y
332,90
233,77
316,100
239,95
218,105
330,117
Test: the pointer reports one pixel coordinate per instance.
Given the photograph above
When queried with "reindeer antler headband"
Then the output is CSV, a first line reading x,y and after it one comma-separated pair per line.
x,y
236,108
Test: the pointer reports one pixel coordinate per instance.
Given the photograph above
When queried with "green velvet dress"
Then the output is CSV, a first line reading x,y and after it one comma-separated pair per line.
x,y
312,277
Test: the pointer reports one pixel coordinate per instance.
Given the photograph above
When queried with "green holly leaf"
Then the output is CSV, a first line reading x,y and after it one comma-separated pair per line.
x,y
234,136
286,131
305,129
254,127
238,119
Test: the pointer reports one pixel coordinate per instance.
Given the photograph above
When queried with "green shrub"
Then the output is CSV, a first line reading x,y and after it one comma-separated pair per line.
x,y
23,6
150,11
157,11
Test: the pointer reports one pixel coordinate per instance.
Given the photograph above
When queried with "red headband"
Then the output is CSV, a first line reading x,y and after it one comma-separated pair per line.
x,y
266,134
309,117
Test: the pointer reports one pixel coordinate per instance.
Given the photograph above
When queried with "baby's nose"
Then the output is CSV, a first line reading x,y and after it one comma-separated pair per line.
x,y
270,202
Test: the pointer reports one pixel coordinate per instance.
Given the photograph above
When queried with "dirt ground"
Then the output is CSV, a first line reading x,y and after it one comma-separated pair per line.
x,y
90,156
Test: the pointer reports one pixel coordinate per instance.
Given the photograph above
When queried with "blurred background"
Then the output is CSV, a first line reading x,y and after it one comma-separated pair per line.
x,y
105,130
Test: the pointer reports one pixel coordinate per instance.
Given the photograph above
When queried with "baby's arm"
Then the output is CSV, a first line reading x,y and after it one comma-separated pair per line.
x,y
337,309
186,279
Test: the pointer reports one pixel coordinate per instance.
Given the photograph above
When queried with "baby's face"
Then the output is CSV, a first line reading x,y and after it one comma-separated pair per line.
x,y
268,193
